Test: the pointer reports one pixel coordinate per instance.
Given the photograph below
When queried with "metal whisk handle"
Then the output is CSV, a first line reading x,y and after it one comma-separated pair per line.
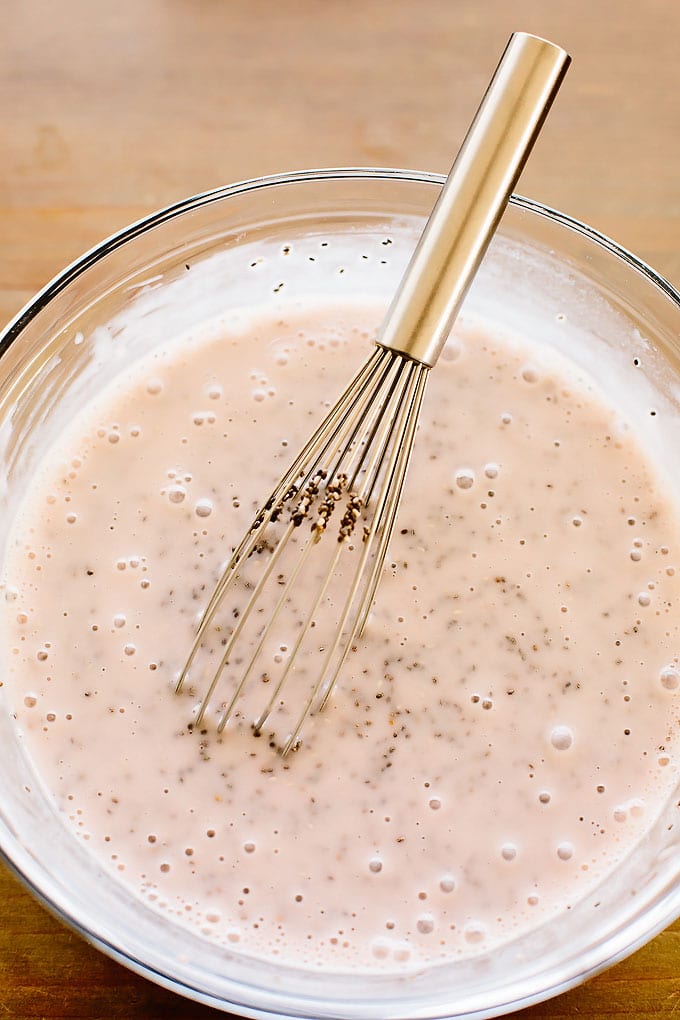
x,y
474,197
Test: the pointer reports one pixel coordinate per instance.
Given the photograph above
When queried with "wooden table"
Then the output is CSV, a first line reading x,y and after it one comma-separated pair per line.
x,y
114,108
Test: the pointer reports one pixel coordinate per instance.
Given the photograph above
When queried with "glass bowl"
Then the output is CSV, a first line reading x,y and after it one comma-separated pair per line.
x,y
84,327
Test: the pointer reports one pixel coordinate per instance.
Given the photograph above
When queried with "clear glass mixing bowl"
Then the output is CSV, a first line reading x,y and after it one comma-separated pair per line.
x,y
543,270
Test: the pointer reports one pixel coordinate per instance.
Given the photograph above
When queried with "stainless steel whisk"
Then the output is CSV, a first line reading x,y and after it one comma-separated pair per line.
x,y
353,467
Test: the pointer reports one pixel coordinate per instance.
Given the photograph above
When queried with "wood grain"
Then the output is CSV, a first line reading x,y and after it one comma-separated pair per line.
x,y
113,109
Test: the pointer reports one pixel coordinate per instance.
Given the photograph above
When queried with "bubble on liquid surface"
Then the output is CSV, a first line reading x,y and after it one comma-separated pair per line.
x,y
465,478
380,949
508,851
154,386
561,738
565,851
425,924
402,952
176,493
203,508
669,678
491,469
447,883
474,932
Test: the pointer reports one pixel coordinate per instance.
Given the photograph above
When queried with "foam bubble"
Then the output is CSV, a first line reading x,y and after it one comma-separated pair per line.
x,y
203,508
465,478
176,493
669,678
474,932
380,949
561,738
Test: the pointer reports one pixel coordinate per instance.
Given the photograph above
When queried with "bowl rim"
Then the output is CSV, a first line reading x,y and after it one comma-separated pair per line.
x,y
620,942
357,173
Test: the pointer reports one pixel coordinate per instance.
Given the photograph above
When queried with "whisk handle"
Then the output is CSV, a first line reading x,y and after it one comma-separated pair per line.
x,y
474,197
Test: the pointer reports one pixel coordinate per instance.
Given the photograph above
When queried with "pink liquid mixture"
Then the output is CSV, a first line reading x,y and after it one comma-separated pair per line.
x,y
505,732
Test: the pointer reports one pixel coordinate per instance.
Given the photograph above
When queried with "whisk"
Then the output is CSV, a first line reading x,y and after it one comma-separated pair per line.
x,y
298,589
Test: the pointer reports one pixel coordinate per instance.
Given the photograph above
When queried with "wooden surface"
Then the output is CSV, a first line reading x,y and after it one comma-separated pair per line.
x,y
113,108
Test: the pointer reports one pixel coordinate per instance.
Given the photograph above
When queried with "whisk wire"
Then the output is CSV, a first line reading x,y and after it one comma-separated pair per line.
x,y
314,449
387,406
367,439
380,526
273,617
242,620
391,506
